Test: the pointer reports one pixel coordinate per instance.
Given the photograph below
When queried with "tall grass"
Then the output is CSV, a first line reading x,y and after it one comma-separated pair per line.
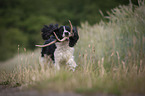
x,y
111,58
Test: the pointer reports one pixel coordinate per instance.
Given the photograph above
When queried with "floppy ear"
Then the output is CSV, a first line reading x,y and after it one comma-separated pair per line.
x,y
59,32
47,31
74,39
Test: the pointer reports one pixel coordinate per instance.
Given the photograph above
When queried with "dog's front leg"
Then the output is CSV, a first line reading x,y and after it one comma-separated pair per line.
x,y
56,65
72,64
57,60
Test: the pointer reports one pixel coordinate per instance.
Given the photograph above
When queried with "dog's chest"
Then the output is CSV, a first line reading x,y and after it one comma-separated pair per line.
x,y
63,51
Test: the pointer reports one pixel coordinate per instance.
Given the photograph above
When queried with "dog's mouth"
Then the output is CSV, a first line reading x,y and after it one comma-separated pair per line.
x,y
67,36
67,39
64,38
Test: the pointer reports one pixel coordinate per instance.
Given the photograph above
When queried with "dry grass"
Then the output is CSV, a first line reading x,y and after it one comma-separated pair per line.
x,y
111,58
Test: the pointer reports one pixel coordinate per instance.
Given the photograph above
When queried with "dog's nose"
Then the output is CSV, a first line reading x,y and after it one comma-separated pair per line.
x,y
66,33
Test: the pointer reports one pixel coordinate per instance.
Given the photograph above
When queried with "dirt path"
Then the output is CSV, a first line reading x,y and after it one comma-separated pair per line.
x,y
18,92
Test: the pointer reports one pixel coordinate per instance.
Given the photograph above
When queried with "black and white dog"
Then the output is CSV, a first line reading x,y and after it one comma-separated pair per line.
x,y
59,45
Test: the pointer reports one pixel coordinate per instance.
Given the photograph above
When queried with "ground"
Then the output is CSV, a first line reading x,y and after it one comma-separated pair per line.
x,y
17,91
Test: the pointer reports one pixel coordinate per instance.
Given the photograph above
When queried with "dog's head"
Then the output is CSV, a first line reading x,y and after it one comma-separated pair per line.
x,y
63,33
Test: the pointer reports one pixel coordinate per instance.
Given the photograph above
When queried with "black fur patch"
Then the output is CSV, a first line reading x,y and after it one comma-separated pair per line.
x,y
49,50
47,31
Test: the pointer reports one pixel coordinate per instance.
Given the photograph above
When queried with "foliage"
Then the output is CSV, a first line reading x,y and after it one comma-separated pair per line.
x,y
28,17
111,58
10,39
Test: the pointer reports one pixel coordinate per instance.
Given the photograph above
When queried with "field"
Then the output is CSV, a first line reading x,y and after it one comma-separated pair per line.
x,y
110,58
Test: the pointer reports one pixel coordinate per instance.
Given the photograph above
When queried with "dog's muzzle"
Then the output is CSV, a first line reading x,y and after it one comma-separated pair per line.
x,y
66,34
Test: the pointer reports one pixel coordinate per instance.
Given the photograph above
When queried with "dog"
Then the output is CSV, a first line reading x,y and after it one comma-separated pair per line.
x,y
59,45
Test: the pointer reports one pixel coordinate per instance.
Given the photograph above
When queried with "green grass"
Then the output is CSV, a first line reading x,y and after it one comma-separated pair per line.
x,y
111,58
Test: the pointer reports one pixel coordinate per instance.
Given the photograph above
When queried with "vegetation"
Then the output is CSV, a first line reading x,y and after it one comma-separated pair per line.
x,y
22,20
111,58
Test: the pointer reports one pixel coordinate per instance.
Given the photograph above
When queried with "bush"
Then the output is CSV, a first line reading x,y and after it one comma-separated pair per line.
x,y
10,40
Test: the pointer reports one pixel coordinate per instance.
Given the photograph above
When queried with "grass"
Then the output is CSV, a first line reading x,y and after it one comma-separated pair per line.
x,y
111,58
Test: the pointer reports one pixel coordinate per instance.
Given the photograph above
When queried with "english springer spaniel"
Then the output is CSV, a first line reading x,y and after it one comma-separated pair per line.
x,y
59,45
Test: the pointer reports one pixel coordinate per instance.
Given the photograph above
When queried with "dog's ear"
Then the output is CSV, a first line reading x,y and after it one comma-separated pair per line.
x,y
59,32
74,39
47,31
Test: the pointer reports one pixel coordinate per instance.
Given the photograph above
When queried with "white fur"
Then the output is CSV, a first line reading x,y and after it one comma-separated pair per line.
x,y
64,53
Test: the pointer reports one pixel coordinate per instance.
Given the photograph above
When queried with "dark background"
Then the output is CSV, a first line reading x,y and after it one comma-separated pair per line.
x,y
22,20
